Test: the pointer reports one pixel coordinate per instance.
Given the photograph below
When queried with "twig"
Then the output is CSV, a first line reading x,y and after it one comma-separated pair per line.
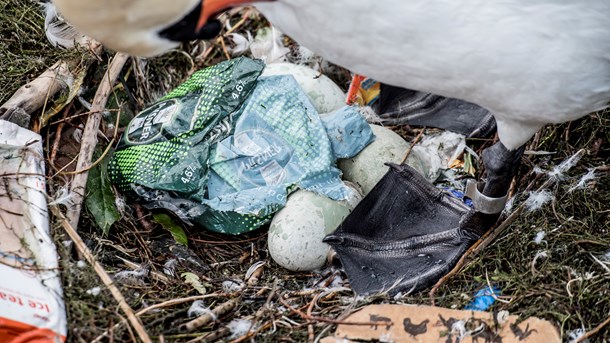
x,y
252,333
102,156
487,238
235,242
303,293
133,337
35,94
58,133
161,305
593,332
155,275
242,21
212,336
181,301
310,331
116,293
493,294
590,241
257,316
602,264
413,143
220,39
141,217
224,48
89,140
326,320
77,77
210,317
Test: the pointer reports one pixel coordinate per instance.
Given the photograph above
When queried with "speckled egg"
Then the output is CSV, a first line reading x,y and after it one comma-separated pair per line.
x,y
297,230
367,168
325,95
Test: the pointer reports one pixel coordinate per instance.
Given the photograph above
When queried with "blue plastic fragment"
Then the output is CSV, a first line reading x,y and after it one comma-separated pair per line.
x,y
459,195
483,299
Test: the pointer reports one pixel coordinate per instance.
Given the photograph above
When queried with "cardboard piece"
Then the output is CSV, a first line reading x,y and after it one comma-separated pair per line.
x,y
31,301
410,323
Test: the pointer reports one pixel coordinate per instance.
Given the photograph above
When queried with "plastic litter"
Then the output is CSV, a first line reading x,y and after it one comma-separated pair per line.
x,y
436,152
363,91
459,195
483,299
411,323
225,148
31,301
324,94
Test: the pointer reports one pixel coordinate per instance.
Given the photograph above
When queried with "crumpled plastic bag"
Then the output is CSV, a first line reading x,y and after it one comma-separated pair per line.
x,y
225,148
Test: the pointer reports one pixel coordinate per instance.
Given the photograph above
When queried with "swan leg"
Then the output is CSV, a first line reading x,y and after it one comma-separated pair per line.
x,y
489,197
400,106
501,165
406,233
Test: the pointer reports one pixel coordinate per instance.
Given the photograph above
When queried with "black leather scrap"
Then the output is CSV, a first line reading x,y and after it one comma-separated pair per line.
x,y
403,236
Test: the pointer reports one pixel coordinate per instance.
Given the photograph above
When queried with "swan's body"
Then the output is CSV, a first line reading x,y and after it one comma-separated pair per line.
x,y
530,62
125,25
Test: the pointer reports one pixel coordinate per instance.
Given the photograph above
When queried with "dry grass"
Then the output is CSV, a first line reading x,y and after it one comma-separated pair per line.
x,y
24,50
567,286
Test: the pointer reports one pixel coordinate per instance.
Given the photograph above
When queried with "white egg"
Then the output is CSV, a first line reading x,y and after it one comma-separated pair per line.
x,y
367,168
325,95
296,231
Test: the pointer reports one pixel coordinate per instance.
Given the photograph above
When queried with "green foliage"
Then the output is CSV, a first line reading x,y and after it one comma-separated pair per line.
x,y
100,200
168,224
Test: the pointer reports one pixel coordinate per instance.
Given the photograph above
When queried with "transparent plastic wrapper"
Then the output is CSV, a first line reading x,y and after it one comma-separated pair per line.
x,y
226,147
31,301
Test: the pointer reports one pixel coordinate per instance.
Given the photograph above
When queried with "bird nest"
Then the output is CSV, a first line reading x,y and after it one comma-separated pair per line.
x,y
549,257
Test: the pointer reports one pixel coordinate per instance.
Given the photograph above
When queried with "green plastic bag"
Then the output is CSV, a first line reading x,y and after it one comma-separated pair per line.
x,y
163,154
225,149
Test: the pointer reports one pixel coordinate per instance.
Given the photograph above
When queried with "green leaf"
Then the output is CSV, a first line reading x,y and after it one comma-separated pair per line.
x,y
168,224
101,200
469,167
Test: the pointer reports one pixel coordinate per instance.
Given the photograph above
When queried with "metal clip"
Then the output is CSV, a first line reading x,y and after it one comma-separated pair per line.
x,y
483,203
